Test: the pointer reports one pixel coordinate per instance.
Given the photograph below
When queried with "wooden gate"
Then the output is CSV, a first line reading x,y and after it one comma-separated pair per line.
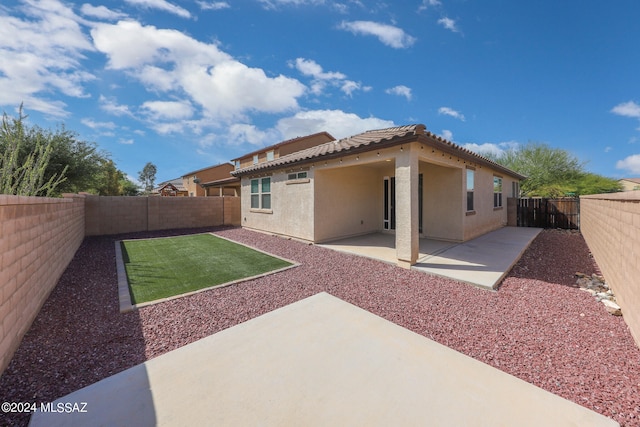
x,y
549,213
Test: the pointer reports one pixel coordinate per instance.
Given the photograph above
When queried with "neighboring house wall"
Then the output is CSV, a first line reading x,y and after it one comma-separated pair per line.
x,y
39,238
631,184
212,173
284,148
610,224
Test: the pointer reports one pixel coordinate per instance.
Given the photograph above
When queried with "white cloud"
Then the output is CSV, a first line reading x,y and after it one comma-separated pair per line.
x,y
161,5
388,34
178,65
336,122
97,125
101,12
272,4
240,133
321,79
168,110
491,148
607,149
627,109
451,112
426,4
449,24
447,134
125,141
214,5
42,54
630,164
111,106
400,90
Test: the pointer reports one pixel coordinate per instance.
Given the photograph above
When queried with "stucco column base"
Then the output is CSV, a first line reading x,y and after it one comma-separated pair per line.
x,y
405,264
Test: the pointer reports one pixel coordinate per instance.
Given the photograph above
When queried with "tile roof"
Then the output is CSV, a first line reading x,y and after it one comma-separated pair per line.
x,y
371,140
634,180
280,144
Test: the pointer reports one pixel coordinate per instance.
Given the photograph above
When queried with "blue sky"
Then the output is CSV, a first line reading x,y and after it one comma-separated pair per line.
x,y
187,84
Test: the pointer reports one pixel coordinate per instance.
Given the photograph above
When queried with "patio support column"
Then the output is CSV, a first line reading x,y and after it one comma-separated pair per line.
x,y
407,238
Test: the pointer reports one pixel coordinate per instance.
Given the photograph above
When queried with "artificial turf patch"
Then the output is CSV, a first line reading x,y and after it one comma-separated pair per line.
x,y
169,266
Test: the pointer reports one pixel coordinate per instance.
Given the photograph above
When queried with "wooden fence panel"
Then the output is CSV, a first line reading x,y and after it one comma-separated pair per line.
x,y
549,213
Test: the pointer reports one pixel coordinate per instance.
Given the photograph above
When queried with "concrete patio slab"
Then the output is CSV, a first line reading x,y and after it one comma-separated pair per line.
x,y
318,362
482,262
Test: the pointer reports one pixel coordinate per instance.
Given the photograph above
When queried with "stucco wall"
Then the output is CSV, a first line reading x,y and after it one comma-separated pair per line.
x,y
348,202
115,215
610,224
39,238
291,212
442,206
485,218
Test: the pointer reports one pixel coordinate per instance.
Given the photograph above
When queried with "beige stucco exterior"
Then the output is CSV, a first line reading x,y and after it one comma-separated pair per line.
x,y
630,184
212,173
342,197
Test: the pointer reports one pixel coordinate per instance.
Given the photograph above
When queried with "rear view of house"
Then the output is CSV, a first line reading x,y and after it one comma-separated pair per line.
x,y
402,180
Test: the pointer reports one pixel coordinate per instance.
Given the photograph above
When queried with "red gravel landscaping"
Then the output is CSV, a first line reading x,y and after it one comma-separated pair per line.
x,y
538,326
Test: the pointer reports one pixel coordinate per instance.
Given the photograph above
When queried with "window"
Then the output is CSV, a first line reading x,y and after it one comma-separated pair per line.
x,y
299,175
237,164
261,193
270,155
470,187
255,159
515,189
497,192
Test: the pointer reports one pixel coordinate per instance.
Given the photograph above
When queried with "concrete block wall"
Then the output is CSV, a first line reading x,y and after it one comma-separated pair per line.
x,y
38,238
610,224
115,215
187,212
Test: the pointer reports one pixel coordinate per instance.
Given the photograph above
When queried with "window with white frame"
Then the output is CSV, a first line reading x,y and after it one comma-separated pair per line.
x,y
270,155
237,164
255,159
497,192
298,175
261,193
470,188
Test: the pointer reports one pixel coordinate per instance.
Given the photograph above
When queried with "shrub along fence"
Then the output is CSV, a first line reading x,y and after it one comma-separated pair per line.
x,y
39,237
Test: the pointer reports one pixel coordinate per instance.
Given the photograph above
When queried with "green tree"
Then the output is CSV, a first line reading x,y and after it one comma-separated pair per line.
x,y
553,172
82,161
113,182
23,167
147,176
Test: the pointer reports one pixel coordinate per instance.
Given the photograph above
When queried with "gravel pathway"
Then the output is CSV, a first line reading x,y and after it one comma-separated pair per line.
x,y
538,326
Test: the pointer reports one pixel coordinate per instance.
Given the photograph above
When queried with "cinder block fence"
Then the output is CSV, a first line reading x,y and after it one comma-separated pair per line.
x,y
39,237
610,224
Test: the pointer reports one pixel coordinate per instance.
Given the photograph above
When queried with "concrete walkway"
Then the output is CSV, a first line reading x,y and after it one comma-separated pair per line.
x,y
317,362
483,261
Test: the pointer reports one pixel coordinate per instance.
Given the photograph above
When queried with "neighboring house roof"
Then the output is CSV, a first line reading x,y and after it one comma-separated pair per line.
x,y
634,180
176,182
224,181
280,144
206,169
372,140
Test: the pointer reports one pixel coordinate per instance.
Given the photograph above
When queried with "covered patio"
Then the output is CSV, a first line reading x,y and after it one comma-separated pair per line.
x,y
483,261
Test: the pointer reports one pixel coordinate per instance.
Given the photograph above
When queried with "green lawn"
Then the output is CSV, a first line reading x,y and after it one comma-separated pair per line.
x,y
169,266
